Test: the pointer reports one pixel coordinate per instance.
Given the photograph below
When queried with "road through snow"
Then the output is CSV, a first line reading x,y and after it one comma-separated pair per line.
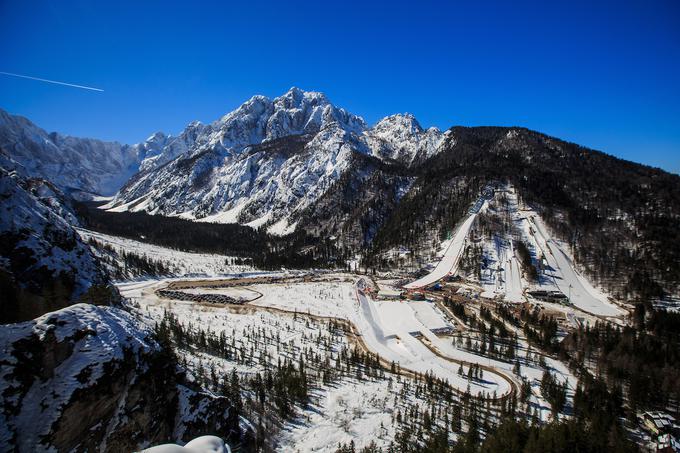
x,y
398,320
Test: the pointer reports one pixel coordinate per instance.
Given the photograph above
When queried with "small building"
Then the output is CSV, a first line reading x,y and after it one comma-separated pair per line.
x,y
440,331
417,295
389,294
549,296
666,443
658,423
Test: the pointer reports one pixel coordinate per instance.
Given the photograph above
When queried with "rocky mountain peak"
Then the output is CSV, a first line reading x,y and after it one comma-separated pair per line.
x,y
406,122
400,137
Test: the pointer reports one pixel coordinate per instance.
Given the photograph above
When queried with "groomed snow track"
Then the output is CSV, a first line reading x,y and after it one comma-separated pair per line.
x,y
448,265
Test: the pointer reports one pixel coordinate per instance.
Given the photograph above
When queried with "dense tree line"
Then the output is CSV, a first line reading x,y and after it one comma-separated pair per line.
x,y
642,360
173,232
264,251
540,329
429,212
123,264
524,255
577,435
622,219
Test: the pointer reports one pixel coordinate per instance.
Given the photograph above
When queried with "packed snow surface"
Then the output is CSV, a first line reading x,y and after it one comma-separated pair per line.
x,y
351,409
449,263
504,277
203,444
387,328
580,292
513,280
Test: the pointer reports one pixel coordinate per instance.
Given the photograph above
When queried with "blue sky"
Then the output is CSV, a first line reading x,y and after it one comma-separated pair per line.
x,y
603,74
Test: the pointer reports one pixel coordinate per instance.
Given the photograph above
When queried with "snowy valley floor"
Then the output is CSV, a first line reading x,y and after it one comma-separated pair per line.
x,y
323,317
292,315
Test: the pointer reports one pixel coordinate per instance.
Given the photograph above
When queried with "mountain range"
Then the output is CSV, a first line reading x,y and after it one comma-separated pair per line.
x,y
299,166
290,182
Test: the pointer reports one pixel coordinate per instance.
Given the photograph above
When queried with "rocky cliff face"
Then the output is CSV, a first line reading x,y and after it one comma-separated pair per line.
x,y
246,167
89,378
267,161
44,265
71,163
401,138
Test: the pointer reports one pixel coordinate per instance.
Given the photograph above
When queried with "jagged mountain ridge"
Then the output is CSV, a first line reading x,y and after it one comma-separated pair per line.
x,y
241,168
297,163
99,167
82,166
70,163
620,218
401,138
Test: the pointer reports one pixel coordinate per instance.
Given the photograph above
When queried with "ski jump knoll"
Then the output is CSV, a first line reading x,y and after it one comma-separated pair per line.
x,y
581,293
449,262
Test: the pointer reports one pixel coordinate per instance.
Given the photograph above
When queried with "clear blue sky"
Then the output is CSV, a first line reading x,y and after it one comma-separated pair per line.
x,y
605,76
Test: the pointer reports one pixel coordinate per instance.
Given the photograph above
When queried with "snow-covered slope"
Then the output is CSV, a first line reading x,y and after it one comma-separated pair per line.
x,y
266,161
42,259
160,149
258,120
203,444
69,162
262,163
176,262
89,378
401,138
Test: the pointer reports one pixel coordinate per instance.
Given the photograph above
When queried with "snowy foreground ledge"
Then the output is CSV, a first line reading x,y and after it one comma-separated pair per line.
x,y
203,444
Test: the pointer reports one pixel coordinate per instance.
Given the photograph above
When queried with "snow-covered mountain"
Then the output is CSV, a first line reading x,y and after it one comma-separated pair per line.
x,y
267,160
44,265
95,166
85,164
400,137
69,162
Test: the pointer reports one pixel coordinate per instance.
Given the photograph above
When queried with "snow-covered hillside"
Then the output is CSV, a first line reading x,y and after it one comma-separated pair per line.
x,y
89,378
84,164
266,161
42,256
176,262
493,244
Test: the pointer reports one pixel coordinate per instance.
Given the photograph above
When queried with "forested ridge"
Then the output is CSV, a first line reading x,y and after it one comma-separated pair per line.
x,y
620,219
642,361
265,251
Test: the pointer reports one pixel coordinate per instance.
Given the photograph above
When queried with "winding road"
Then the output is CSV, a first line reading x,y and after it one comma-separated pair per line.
x,y
366,328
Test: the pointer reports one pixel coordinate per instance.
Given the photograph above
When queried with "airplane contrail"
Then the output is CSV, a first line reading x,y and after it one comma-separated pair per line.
x,y
52,81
